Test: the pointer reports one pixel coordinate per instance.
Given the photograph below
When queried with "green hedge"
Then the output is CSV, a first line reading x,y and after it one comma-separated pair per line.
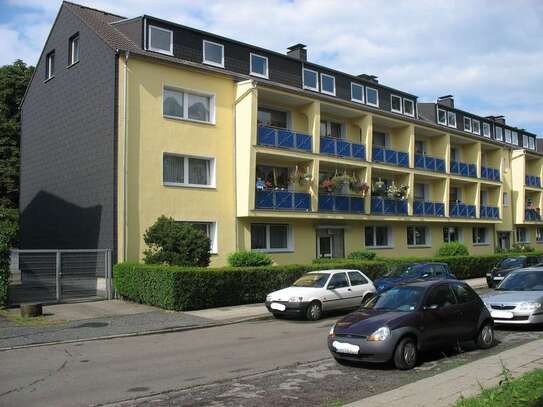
x,y
8,235
183,288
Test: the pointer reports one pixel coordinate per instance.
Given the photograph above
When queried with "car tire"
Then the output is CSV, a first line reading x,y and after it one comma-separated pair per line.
x,y
313,311
486,337
366,298
405,355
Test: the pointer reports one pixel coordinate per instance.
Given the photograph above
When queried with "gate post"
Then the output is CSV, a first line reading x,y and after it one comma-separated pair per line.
x,y
107,264
58,273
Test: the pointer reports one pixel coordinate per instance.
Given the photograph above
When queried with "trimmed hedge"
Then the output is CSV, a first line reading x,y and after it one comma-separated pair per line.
x,y
249,259
184,288
8,235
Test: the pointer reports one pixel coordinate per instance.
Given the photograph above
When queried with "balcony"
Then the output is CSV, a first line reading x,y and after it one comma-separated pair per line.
x,y
423,208
392,157
283,200
461,210
386,206
426,162
342,148
532,181
463,169
492,174
283,138
532,215
489,212
341,203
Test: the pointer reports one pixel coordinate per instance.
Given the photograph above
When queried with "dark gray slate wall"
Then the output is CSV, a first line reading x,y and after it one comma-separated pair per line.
x,y
67,146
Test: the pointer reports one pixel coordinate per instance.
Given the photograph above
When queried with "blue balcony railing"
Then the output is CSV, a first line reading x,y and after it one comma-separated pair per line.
x,y
533,181
461,210
283,138
382,155
531,215
342,148
283,200
490,173
341,203
489,212
463,169
426,162
424,208
385,206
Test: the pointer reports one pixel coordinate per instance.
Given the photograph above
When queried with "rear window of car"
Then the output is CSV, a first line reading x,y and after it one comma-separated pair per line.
x,y
339,280
357,278
463,293
511,262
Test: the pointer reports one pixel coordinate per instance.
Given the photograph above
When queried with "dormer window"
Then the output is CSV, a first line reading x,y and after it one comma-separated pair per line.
x,y
50,65
160,40
259,66
328,84
213,54
476,126
507,133
531,143
467,124
451,119
524,141
409,107
310,79
372,96
514,138
442,116
486,129
498,132
396,104
357,93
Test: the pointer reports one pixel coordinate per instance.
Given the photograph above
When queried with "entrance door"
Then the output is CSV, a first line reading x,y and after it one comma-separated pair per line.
x,y
504,240
324,248
330,243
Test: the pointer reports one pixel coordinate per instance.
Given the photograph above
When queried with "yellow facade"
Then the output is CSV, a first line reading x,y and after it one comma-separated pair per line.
x,y
231,141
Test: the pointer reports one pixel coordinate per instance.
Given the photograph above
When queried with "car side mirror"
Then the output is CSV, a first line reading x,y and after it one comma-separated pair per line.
x,y
331,286
431,307
425,275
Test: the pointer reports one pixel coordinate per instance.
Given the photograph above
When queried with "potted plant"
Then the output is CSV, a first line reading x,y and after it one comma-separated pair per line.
x,y
398,192
328,185
379,188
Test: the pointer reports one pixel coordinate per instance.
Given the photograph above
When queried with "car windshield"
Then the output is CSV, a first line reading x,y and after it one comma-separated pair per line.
x,y
396,299
523,281
406,270
315,280
510,262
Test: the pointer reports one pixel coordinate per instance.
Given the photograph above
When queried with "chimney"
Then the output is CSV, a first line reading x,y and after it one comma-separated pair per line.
x,y
447,100
497,119
298,51
370,78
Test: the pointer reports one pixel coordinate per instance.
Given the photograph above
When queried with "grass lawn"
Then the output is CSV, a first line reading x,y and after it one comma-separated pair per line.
x,y
525,391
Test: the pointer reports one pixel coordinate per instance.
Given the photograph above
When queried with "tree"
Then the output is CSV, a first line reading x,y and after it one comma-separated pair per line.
x,y
176,244
14,80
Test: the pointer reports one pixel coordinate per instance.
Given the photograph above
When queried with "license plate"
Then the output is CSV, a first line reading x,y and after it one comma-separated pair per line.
x,y
343,347
501,314
277,306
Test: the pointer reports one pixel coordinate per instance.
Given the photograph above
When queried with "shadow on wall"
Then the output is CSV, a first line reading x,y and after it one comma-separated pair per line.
x,y
50,222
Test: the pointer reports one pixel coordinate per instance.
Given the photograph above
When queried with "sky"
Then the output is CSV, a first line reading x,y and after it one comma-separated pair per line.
x,y
488,54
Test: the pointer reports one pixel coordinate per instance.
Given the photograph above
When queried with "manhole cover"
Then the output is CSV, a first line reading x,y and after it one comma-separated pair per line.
x,y
92,325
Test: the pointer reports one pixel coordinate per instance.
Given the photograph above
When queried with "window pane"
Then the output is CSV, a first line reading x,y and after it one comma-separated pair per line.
x,y
396,103
328,84
441,297
339,280
199,171
173,103
335,130
476,127
379,139
507,133
203,227
442,116
198,107
369,236
174,169
514,137
408,106
310,79
467,124
420,235
278,236
451,117
499,133
259,65
160,39
273,118
381,236
213,53
371,95
357,92
357,278
486,129
419,192
258,236
410,235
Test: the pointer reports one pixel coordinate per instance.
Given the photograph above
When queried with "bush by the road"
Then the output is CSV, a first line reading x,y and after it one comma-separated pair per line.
x,y
362,255
452,249
249,259
8,237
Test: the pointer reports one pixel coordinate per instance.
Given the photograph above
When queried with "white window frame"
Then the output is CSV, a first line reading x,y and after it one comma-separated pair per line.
x,y
507,135
412,107
524,141
514,138
443,123
427,240
526,235
213,234
401,104
266,75
531,143
460,234
500,138
212,169
363,93
486,242
71,52
186,92
468,129
368,88
212,63
316,89
326,92
449,115
50,60
390,240
473,121
486,130
290,240
159,50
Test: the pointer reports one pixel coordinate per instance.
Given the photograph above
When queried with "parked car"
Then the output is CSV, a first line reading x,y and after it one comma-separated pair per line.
x,y
519,298
406,273
410,318
320,291
507,265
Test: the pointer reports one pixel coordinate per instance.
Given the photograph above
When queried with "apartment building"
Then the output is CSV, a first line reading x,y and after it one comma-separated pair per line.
x,y
126,120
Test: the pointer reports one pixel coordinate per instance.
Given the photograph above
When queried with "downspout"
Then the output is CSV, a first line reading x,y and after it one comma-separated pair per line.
x,y
125,182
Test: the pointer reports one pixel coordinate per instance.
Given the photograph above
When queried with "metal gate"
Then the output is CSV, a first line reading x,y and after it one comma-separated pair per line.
x,y
52,276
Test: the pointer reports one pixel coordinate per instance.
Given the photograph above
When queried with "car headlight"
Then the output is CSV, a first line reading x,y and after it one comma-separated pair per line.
x,y
382,334
331,333
295,299
528,306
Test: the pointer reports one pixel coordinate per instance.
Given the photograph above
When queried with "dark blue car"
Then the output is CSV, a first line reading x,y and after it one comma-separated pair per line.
x,y
407,273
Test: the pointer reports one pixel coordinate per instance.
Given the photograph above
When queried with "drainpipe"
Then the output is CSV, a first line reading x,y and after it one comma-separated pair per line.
x,y
125,182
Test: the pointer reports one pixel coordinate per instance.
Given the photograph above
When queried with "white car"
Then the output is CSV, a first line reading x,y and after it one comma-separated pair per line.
x,y
320,291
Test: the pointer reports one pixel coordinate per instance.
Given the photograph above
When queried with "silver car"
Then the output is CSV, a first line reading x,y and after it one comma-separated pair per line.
x,y
518,299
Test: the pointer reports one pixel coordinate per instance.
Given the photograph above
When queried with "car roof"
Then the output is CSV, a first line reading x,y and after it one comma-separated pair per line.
x,y
537,267
428,283
332,271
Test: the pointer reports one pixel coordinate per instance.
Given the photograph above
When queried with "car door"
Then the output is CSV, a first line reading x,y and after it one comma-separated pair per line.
x,y
441,317
338,292
359,286
469,307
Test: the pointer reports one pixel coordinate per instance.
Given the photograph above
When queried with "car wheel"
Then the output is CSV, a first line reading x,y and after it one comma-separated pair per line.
x,y
405,355
485,338
314,311
366,298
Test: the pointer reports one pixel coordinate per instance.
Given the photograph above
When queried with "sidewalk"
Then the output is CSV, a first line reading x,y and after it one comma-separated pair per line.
x,y
446,388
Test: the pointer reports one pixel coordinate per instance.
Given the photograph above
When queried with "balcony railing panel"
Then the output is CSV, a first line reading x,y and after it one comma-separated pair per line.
x,y
463,169
429,163
490,173
532,215
385,206
342,148
341,203
392,157
490,212
533,181
283,200
423,208
461,210
283,138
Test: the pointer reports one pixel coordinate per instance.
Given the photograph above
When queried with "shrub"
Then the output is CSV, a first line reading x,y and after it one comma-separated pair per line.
x,y
249,259
452,249
9,228
522,248
362,255
174,243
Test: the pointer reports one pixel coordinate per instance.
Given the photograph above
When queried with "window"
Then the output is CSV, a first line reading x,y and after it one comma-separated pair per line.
x,y
331,129
440,297
396,104
417,236
522,235
273,176
455,155
524,141
507,134
483,198
372,96
480,236
180,104
310,79
420,192
259,66
213,54
531,143
409,107
506,199
441,116
179,170
451,119
50,65
463,293
379,139
467,124
476,126
210,230
451,234
498,132
486,129
357,278
160,40
419,147
539,234
377,236
328,84
455,195
272,118
514,138
271,237
73,49
339,280
357,93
